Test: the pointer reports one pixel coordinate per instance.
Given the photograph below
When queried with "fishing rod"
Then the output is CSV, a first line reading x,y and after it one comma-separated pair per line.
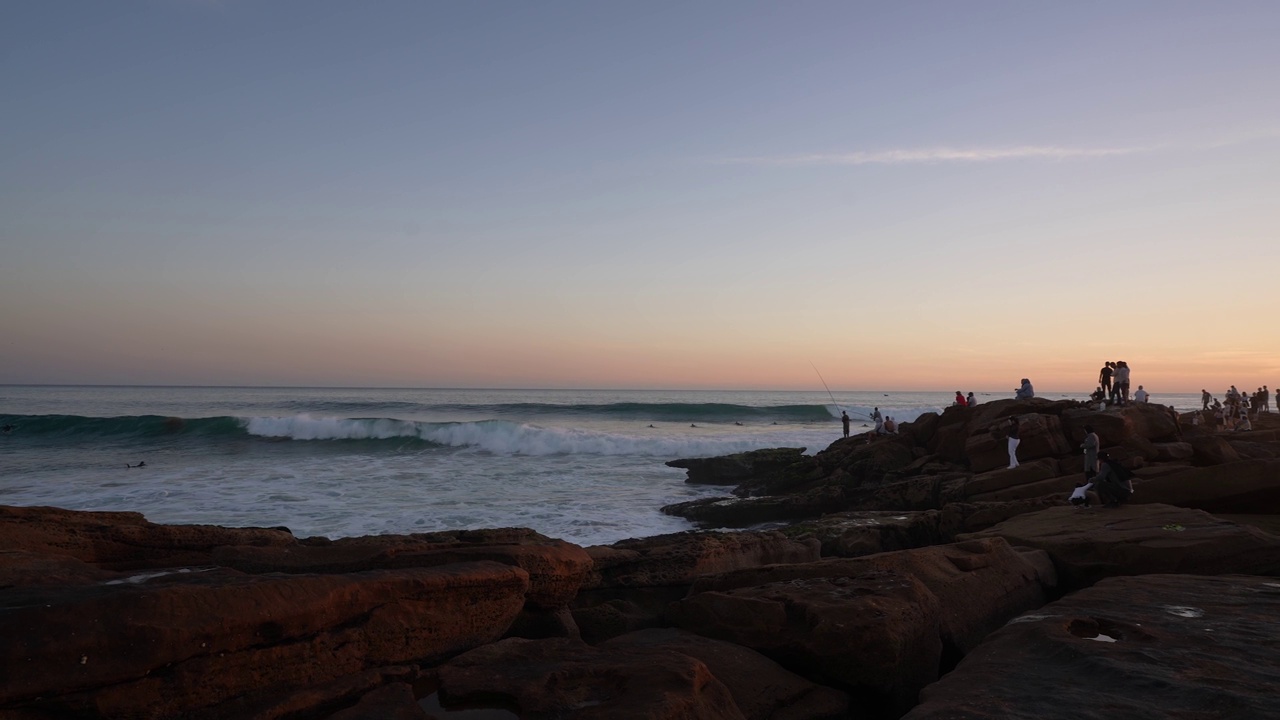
x,y
833,397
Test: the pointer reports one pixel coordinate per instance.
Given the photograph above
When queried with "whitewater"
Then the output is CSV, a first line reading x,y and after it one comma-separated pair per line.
x,y
585,466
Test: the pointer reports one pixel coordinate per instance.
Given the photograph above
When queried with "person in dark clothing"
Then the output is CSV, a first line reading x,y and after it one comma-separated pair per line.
x,y
1104,377
844,419
1113,483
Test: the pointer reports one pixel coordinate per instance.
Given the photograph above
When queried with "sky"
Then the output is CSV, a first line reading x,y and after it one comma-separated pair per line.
x,y
713,195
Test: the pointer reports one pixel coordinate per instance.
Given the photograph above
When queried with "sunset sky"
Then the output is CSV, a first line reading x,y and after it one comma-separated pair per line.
x,y
906,195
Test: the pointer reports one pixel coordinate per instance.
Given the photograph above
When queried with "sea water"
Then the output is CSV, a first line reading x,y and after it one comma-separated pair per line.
x,y
585,466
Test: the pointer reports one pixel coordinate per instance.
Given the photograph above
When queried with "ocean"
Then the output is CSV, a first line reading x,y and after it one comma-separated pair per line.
x,y
585,466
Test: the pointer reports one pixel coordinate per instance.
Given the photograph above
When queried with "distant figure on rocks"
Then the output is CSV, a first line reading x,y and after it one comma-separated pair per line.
x,y
890,426
1014,440
1205,398
844,420
1090,447
1113,483
1104,377
1025,392
1141,396
875,414
971,401
1098,395
1244,425
960,401
880,428
1266,400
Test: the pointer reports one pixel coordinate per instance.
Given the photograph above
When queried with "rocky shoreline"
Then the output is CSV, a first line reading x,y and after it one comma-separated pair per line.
x,y
909,575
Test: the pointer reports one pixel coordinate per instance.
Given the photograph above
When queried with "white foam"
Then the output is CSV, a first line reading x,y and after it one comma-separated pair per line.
x,y
508,438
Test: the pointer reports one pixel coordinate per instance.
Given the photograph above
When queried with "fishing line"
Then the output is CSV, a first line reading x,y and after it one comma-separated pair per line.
x,y
833,397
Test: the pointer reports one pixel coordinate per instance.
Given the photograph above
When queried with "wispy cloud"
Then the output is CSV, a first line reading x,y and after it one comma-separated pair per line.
x,y
939,155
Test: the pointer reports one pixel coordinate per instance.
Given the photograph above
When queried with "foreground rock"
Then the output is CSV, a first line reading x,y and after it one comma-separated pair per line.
x,y
188,643
1089,545
881,626
1146,648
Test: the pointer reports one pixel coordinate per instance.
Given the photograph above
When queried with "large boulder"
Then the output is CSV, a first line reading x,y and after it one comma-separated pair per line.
x,y
762,689
875,635
1088,545
1146,648
1041,437
877,626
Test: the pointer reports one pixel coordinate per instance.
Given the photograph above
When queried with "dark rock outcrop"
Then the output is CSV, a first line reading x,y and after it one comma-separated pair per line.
x,y
1146,648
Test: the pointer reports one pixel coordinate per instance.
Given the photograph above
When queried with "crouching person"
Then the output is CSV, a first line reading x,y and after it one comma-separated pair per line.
x,y
1114,483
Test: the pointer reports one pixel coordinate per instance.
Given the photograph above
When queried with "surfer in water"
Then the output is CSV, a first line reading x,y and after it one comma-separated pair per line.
x,y
142,463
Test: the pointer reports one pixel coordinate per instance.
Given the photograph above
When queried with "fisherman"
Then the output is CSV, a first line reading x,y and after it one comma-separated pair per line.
x,y
844,420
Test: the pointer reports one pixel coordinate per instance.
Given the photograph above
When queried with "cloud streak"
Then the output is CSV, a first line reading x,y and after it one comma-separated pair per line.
x,y
919,156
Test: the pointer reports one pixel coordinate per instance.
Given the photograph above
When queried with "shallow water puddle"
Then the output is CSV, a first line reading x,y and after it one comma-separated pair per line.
x,y
1183,611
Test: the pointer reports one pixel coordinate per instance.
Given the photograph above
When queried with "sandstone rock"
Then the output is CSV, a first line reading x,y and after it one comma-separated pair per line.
x,y
1041,435
1145,648
875,635
856,533
979,584
566,679
1059,487
123,540
761,688
1249,486
556,568
781,466
189,641
389,702
1003,477
1139,539
745,512
1211,450
679,558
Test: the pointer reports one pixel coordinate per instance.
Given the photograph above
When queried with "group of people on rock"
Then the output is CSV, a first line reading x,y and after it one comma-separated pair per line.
x,y
1235,413
884,425
1113,385
962,401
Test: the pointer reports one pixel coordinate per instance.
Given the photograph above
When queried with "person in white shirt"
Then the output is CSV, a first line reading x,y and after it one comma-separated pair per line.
x,y
1080,496
1140,396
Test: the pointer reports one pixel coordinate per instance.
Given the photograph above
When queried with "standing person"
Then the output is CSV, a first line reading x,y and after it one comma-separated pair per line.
x,y
1122,379
1014,440
1205,398
1266,400
960,401
844,419
1104,377
1090,447
971,400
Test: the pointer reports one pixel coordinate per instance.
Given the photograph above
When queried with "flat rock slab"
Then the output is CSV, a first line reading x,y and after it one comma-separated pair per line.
x,y
866,532
1248,486
1140,648
566,679
680,558
1087,545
